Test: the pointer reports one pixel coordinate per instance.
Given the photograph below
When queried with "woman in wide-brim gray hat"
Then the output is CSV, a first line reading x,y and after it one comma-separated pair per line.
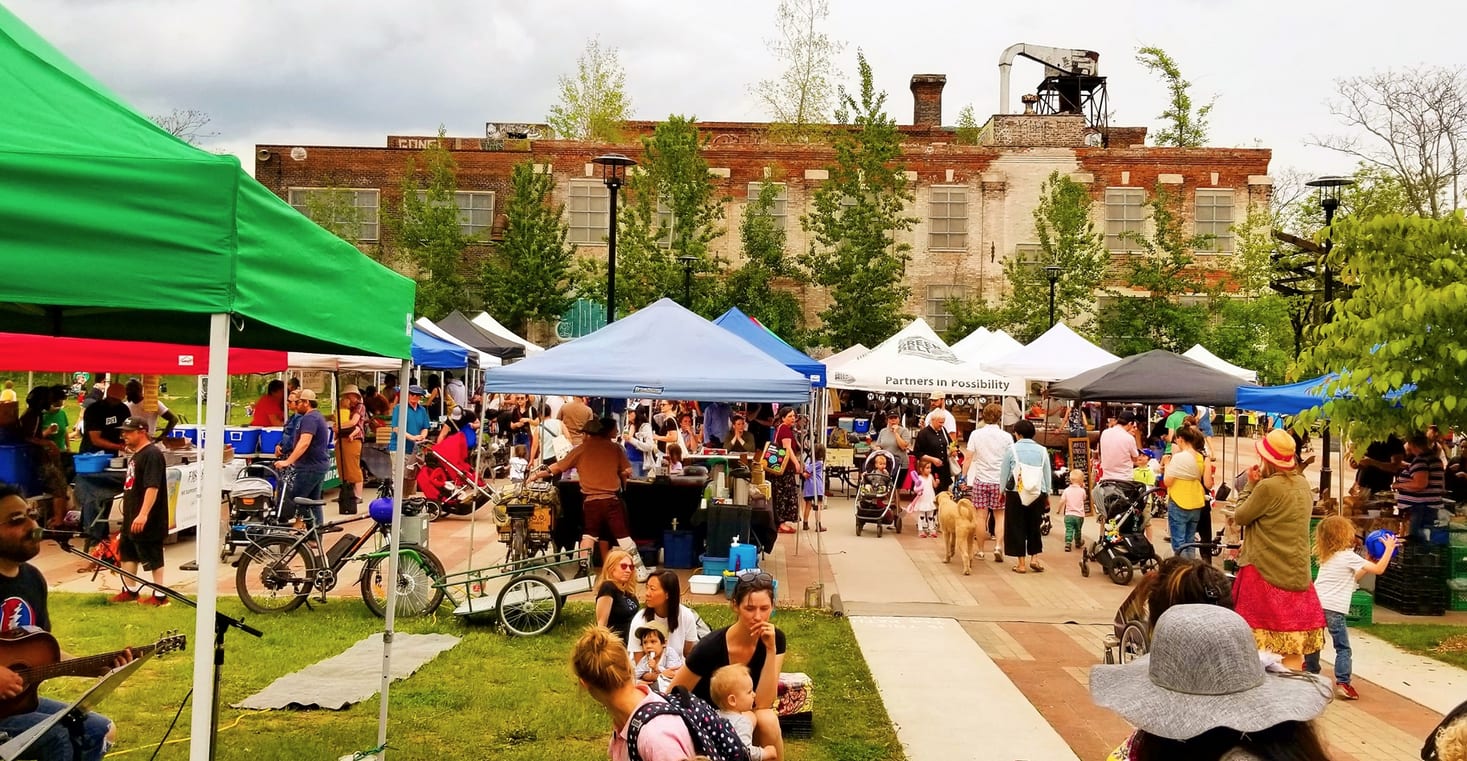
x,y
1204,693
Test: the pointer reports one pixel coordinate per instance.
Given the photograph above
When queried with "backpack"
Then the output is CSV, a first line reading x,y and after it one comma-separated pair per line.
x,y
712,735
1028,479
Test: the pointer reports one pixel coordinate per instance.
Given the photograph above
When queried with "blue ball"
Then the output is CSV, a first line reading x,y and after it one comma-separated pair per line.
x,y
1374,544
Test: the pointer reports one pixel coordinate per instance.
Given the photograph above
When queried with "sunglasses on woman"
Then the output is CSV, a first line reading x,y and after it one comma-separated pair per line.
x,y
755,581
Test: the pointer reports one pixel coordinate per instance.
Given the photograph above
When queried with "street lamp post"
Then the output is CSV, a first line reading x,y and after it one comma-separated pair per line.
x,y
1329,200
1053,272
613,172
687,261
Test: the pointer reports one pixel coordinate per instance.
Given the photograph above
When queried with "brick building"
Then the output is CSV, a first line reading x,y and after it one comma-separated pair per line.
x,y
975,202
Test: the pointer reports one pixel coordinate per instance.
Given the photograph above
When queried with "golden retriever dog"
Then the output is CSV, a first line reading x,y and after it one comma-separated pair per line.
x,y
958,520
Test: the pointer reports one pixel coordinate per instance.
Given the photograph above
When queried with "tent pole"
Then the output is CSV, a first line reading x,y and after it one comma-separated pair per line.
x,y
817,397
478,455
204,718
399,467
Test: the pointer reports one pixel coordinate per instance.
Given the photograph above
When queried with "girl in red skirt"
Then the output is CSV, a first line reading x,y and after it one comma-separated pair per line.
x,y
1273,591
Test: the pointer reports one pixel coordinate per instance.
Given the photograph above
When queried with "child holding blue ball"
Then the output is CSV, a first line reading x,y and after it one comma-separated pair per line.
x,y
1340,571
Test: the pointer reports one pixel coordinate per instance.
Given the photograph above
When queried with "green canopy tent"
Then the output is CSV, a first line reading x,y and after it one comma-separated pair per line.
x,y
112,228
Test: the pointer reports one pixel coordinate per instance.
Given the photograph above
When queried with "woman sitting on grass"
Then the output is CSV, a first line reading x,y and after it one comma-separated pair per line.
x,y
603,667
616,595
664,604
752,641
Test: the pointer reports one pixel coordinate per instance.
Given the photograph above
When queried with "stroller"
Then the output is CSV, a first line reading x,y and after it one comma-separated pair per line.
x,y
253,501
1122,546
446,481
876,498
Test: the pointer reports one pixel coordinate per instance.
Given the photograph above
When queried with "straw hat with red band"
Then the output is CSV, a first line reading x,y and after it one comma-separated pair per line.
x,y
1277,448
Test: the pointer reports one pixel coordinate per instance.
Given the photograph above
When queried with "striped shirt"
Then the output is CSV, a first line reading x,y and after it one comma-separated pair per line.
x,y
1431,496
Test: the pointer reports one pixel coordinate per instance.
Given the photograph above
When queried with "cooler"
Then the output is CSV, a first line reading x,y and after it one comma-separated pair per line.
x,y
861,425
270,438
16,468
244,440
677,549
741,556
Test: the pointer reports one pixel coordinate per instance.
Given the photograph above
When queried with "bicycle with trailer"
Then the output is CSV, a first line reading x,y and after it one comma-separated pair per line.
x,y
525,516
524,597
284,565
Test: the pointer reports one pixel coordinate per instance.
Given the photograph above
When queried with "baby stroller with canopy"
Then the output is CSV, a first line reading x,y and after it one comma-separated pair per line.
x,y
876,497
1122,546
446,480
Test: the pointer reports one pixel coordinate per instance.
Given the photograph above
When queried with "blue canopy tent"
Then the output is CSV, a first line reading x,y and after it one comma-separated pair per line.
x,y
664,352
435,353
1295,398
764,339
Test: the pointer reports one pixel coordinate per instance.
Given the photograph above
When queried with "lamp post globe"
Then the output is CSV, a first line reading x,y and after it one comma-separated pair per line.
x,y
613,173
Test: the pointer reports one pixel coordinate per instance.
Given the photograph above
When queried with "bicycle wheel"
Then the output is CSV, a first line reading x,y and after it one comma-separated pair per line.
x,y
528,605
417,577
274,576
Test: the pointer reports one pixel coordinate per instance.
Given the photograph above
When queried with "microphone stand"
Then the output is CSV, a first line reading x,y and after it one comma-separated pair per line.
x,y
222,622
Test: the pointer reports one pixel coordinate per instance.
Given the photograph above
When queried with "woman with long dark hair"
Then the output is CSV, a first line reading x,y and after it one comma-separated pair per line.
x,y
786,486
663,602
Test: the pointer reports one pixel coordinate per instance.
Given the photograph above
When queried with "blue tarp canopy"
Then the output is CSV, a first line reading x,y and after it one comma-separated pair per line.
x,y
1295,398
435,353
663,351
764,339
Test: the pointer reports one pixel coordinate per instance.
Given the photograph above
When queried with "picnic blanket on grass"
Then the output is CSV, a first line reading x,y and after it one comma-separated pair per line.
x,y
351,677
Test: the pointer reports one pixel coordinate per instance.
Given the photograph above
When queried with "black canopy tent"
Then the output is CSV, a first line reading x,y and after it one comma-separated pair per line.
x,y
1155,377
460,327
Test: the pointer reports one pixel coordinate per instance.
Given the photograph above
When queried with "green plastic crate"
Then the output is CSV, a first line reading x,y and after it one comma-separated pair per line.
x,y
1458,590
1362,608
1458,567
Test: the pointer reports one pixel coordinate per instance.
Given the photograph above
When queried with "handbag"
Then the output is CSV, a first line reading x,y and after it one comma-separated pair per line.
x,y
1028,479
776,459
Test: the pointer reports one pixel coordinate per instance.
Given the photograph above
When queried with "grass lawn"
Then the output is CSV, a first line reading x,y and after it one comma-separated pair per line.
x,y
492,696
1447,644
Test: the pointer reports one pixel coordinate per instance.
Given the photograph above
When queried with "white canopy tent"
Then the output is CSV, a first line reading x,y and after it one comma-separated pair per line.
x,y
976,338
985,348
484,359
487,322
916,361
1201,354
841,357
1058,354
308,361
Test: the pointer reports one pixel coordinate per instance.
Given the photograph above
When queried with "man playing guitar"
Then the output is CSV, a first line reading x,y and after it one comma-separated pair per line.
x,y
23,603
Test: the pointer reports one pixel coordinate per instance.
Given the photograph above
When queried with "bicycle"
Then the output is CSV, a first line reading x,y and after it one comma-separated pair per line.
x,y
526,519
285,564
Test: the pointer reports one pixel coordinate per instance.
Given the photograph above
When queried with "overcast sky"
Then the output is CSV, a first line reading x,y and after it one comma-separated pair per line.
x,y
350,72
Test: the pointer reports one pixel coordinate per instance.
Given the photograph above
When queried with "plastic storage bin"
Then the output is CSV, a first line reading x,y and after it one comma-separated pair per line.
x,y
1362,608
713,565
705,585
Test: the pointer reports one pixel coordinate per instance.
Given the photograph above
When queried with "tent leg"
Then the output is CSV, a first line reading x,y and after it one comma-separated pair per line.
x,y
399,468
203,720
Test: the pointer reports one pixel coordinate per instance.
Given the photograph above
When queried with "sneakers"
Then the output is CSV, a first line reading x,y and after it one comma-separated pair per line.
x,y
997,556
124,596
643,572
153,600
1067,546
1346,692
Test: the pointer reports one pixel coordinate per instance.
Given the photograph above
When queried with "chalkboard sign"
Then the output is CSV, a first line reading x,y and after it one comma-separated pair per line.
x,y
1079,458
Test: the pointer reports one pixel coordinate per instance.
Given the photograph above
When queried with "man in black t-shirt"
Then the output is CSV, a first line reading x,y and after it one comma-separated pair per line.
x,y
101,421
23,603
1382,461
144,511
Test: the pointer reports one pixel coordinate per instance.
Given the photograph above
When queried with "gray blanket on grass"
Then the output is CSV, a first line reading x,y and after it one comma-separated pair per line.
x,y
351,677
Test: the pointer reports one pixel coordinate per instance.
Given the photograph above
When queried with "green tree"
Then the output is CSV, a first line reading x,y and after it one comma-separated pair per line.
x,y
857,214
753,286
1406,323
799,101
334,209
1252,325
593,104
527,276
1185,126
672,209
1174,307
425,228
969,131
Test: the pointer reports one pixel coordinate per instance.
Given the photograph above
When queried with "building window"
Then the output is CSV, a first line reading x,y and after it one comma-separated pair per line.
x,y
475,212
1125,214
1031,255
1213,218
939,304
665,223
949,219
351,212
779,210
590,215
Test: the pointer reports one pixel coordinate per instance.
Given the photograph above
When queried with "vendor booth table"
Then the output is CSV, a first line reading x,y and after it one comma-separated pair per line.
x,y
653,505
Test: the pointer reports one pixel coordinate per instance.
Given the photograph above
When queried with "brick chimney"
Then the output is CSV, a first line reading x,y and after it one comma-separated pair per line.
x,y
927,99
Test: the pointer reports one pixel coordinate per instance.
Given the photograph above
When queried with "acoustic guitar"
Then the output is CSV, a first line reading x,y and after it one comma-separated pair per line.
x,y
35,655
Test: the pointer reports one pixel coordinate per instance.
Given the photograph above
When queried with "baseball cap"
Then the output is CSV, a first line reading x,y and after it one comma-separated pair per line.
x,y
417,390
306,395
133,424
